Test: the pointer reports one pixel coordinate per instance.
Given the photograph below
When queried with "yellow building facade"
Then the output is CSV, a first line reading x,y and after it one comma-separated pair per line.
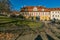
x,y
46,18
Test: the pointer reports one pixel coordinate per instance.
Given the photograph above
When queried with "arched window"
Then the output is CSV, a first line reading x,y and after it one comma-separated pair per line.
x,y
42,9
35,9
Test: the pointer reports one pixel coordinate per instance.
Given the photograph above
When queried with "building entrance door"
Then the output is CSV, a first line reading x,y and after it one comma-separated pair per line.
x,y
38,18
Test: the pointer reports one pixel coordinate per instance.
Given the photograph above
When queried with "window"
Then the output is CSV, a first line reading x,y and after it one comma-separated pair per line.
x,y
32,14
53,16
52,11
58,11
48,13
39,13
23,13
43,13
58,15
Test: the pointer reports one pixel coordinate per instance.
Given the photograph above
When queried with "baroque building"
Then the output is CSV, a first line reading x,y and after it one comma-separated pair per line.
x,y
40,13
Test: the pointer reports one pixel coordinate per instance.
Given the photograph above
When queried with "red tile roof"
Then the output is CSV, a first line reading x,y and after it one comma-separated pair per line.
x,y
15,12
30,9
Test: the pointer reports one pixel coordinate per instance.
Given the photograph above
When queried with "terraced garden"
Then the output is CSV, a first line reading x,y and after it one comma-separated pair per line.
x,y
17,29
9,27
6,22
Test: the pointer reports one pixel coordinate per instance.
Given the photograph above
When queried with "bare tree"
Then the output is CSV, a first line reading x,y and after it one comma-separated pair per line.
x,y
5,6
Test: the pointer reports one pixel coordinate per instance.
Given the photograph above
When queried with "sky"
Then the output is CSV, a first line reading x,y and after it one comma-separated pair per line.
x,y
18,4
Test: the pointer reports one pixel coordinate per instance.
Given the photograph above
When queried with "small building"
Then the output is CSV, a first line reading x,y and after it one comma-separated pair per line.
x,y
15,13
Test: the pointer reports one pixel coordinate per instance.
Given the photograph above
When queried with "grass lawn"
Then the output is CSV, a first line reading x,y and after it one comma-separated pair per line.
x,y
4,19
29,23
